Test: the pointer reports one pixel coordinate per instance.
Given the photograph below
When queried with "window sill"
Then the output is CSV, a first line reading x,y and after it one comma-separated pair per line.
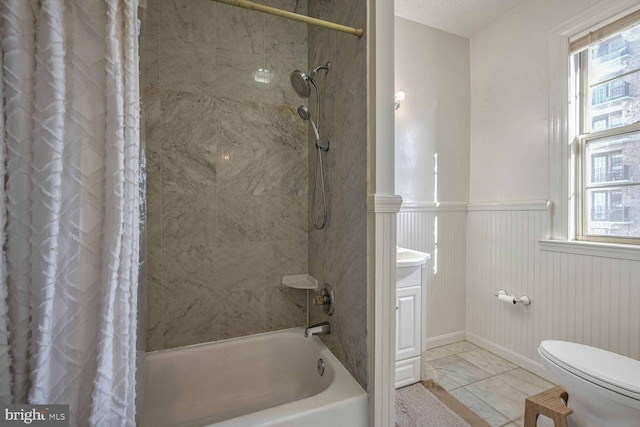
x,y
603,250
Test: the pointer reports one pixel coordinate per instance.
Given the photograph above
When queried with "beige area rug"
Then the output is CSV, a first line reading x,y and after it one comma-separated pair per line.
x,y
426,404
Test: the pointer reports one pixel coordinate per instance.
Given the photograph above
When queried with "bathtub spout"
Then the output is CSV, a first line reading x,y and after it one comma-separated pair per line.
x,y
323,328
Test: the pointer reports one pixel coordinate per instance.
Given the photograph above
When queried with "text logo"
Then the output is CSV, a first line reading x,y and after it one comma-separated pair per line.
x,y
34,415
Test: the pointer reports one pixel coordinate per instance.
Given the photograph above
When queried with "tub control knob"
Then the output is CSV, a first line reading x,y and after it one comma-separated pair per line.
x,y
326,299
320,300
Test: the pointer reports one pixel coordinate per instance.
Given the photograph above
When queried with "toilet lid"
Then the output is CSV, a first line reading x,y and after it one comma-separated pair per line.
x,y
610,370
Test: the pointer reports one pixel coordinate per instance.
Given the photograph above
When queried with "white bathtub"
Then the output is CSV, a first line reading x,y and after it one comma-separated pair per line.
x,y
262,380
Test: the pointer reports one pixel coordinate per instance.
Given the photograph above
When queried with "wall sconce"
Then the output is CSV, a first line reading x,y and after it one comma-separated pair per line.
x,y
398,98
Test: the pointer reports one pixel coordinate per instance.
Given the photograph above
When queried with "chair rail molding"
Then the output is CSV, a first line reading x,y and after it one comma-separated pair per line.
x,y
520,205
433,206
383,203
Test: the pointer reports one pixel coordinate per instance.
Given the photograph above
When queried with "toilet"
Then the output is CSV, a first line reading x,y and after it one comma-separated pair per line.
x,y
603,387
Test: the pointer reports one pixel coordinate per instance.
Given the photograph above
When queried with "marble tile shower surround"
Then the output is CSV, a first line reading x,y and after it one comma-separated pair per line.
x,y
227,171
337,254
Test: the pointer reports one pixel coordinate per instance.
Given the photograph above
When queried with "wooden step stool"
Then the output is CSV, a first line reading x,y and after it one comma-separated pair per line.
x,y
549,403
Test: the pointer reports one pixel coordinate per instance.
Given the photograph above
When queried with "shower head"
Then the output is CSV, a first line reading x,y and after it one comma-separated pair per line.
x,y
300,83
305,115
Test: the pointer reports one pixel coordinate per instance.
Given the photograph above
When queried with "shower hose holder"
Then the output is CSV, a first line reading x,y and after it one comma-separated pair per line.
x,y
323,145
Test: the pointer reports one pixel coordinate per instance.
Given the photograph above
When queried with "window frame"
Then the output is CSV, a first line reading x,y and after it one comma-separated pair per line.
x,y
582,129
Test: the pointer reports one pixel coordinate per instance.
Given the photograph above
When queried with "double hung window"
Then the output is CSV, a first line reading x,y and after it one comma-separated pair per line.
x,y
605,72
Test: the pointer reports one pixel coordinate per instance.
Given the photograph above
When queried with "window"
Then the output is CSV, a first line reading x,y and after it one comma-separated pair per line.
x,y
606,206
611,48
607,121
607,166
606,87
610,91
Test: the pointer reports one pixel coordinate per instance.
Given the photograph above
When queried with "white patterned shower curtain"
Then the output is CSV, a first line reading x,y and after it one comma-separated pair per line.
x,y
69,206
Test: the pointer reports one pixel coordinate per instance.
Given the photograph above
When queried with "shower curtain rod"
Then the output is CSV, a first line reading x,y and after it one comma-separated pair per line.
x,y
246,4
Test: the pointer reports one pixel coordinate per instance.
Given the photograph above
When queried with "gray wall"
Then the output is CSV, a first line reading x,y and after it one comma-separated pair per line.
x,y
227,171
338,253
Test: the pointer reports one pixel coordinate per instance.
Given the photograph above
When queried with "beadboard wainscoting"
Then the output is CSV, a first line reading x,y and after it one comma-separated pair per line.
x,y
446,271
576,296
381,228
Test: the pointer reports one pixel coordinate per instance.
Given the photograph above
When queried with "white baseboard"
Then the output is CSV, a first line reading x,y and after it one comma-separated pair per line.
x,y
444,339
510,355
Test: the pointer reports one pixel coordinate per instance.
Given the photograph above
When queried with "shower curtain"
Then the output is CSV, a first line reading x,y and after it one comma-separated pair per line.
x,y
69,206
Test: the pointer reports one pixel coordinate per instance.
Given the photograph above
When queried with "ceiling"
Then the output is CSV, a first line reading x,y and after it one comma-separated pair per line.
x,y
462,17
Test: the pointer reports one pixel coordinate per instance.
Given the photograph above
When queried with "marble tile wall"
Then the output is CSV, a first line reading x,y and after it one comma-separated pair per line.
x,y
227,171
338,253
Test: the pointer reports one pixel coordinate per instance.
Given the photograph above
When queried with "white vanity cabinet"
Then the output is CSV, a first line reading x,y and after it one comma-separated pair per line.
x,y
409,316
408,313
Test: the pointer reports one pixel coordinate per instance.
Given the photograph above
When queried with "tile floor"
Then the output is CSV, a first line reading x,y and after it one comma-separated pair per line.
x,y
490,386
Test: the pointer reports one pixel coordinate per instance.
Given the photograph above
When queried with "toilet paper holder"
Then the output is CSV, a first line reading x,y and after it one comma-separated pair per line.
x,y
524,300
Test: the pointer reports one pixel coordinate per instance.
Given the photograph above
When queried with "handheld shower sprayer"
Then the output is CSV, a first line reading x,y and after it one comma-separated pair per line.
x,y
305,115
